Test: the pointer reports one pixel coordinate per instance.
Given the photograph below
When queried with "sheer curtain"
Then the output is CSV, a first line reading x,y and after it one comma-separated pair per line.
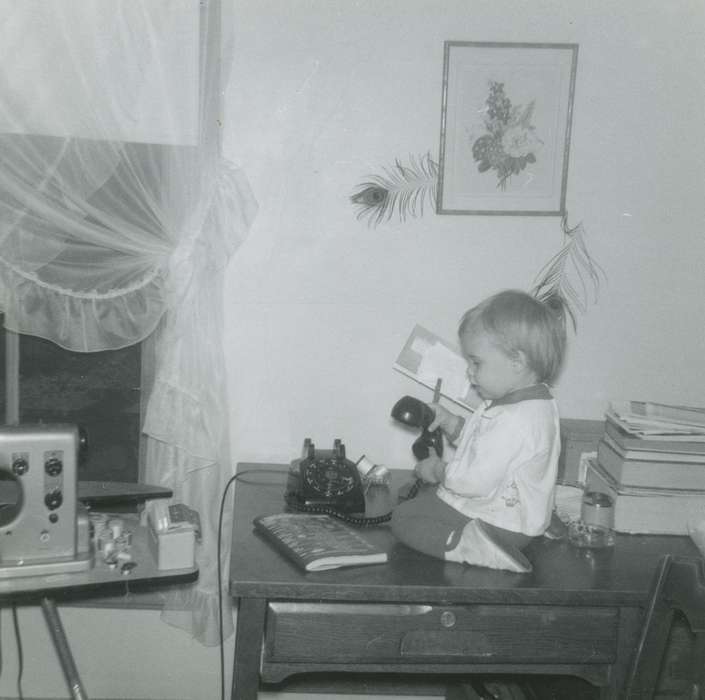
x,y
118,214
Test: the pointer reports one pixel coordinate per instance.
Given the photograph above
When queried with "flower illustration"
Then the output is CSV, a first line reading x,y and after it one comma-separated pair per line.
x,y
510,143
519,142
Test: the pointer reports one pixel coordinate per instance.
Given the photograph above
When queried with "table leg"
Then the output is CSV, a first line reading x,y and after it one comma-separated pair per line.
x,y
248,647
630,622
61,644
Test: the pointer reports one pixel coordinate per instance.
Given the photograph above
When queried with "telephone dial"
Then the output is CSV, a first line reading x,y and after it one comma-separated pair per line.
x,y
324,479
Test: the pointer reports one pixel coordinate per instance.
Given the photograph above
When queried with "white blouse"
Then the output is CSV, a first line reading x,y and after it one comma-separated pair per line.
x,y
505,466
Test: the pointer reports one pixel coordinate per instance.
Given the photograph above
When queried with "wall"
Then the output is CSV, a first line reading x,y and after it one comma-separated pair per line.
x,y
318,305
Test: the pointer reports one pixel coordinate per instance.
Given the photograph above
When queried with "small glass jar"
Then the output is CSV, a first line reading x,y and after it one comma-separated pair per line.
x,y
596,525
597,509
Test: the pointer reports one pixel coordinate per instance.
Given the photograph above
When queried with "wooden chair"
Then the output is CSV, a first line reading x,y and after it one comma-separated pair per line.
x,y
678,585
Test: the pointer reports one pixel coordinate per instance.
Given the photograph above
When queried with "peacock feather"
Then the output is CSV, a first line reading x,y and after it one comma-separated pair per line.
x,y
402,188
570,273
567,277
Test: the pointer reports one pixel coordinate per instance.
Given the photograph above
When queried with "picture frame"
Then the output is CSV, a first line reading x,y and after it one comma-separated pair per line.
x,y
506,120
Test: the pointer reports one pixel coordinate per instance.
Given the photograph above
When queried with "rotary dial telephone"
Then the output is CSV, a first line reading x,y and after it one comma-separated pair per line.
x,y
324,480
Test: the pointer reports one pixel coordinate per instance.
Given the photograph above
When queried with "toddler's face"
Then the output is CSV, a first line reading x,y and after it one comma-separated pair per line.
x,y
492,372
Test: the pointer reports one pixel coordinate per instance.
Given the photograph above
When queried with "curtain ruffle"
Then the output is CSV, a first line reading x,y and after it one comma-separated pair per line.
x,y
81,322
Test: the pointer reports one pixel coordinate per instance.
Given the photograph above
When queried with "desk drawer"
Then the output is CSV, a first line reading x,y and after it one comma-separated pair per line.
x,y
375,633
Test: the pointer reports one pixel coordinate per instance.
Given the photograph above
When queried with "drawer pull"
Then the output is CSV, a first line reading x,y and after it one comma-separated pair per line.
x,y
447,618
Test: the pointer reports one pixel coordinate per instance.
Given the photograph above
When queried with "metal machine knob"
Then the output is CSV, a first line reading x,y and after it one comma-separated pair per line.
x,y
20,466
53,466
53,499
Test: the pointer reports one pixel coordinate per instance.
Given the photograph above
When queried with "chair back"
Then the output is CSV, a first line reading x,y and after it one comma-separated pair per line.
x,y
678,585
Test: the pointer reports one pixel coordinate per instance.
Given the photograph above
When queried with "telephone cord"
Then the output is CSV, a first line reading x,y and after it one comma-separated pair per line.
x,y
355,520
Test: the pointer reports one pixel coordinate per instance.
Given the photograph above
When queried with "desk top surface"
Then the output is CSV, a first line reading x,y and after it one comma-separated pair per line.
x,y
100,579
562,574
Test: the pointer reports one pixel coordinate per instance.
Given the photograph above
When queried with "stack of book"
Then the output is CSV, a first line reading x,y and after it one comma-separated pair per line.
x,y
651,460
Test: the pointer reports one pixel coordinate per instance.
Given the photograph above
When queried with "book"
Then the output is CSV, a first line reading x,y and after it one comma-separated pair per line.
x,y
641,425
685,415
665,454
652,469
628,440
426,358
642,510
317,542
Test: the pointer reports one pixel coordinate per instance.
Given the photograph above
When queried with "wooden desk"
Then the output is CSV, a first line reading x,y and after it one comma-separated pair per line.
x,y
578,613
100,580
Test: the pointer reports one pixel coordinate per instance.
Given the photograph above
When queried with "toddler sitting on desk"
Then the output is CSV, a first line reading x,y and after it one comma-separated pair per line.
x,y
496,494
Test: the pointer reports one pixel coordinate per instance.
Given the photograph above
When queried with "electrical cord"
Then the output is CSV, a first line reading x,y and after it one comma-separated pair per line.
x,y
220,586
230,482
20,655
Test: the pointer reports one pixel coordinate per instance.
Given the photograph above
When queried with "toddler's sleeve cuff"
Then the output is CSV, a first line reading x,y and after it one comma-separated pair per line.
x,y
457,431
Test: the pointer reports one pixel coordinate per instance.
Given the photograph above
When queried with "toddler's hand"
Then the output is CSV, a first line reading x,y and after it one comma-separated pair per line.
x,y
431,470
445,420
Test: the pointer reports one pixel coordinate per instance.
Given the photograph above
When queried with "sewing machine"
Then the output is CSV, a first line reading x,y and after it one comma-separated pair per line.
x,y
43,527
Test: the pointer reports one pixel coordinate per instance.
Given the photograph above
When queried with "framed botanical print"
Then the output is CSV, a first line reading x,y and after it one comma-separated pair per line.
x,y
505,128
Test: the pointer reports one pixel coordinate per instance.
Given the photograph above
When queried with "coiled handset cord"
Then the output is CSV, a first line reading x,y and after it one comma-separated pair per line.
x,y
354,520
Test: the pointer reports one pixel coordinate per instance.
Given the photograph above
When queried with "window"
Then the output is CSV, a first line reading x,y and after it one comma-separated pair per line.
x,y
98,391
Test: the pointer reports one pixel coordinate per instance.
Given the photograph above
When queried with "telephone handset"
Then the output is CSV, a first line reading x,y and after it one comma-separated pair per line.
x,y
417,414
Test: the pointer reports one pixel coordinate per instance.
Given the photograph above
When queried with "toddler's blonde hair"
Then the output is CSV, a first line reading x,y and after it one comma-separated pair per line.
x,y
518,322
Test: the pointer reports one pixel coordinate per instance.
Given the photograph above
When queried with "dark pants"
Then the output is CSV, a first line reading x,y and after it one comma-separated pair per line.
x,y
429,525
